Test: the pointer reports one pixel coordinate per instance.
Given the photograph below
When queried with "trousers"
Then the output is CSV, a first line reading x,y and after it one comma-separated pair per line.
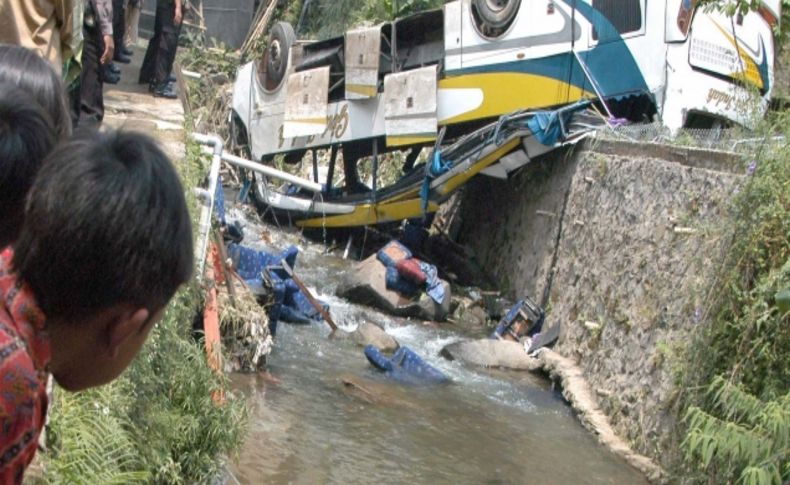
x,y
87,99
161,52
118,24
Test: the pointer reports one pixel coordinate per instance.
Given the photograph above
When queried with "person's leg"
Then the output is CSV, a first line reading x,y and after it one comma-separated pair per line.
x,y
149,62
172,46
132,22
167,44
118,29
91,100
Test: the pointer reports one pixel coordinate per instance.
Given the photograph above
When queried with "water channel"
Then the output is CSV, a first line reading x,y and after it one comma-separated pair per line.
x,y
488,426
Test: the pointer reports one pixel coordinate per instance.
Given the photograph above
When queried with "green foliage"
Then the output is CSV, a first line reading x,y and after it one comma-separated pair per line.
x,y
330,18
182,432
750,337
738,427
744,6
91,441
740,436
157,423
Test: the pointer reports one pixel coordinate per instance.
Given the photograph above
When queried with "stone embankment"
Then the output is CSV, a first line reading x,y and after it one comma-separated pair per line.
x,y
620,242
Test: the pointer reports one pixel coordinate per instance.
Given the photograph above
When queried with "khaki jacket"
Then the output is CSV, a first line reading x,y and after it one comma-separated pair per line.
x,y
48,26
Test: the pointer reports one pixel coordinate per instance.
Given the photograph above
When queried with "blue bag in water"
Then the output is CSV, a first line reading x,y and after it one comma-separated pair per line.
x,y
405,366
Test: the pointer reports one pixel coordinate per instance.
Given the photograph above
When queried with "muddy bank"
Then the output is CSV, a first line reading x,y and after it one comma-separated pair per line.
x,y
620,249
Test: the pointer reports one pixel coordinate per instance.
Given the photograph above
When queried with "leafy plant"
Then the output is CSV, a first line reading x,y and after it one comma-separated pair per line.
x,y
741,436
92,441
738,424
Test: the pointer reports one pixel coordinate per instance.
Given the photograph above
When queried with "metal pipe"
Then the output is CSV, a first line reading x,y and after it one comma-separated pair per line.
x,y
315,166
271,172
208,204
331,175
375,167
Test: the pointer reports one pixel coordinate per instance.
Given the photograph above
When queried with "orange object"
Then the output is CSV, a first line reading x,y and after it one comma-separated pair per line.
x,y
211,323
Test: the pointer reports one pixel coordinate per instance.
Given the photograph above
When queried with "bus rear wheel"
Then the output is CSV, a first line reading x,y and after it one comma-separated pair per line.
x,y
275,60
496,15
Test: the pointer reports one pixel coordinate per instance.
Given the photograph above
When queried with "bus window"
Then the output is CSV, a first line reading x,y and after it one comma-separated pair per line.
x,y
624,15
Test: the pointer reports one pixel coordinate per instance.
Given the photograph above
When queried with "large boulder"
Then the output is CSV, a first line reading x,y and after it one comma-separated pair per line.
x,y
370,334
366,285
491,353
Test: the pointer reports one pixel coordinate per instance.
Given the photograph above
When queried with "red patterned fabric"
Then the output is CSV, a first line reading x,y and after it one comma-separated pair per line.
x,y
410,269
24,361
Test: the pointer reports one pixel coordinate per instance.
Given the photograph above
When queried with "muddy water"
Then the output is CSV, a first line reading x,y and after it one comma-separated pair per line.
x,y
488,426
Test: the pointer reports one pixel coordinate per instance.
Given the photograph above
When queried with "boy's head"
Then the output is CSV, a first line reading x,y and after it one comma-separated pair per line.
x,y
26,137
26,70
105,244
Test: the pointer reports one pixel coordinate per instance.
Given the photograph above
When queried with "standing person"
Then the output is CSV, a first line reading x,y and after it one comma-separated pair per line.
x,y
47,26
87,100
161,52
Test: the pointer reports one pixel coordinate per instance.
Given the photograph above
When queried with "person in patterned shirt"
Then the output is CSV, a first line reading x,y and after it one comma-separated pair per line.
x,y
105,243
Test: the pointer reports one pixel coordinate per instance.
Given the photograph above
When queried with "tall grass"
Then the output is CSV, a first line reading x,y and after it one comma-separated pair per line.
x,y
738,378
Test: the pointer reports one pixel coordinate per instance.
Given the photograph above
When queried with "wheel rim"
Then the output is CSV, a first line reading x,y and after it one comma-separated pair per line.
x,y
275,54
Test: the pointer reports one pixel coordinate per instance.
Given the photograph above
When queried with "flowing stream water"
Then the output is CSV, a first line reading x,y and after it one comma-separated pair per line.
x,y
488,426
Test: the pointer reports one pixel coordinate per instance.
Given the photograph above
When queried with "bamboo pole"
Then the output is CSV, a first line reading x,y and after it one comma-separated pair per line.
x,y
316,304
260,28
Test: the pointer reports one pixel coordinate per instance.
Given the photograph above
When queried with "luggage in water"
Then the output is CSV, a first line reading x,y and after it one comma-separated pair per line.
x,y
405,366
393,253
412,271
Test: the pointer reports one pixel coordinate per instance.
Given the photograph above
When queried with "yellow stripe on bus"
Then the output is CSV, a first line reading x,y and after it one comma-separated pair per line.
x,y
362,89
505,92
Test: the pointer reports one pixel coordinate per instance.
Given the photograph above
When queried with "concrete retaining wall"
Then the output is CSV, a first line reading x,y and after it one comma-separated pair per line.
x,y
621,250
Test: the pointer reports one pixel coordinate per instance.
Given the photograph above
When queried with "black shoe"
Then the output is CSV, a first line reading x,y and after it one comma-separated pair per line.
x,y
126,51
114,69
110,78
165,91
118,57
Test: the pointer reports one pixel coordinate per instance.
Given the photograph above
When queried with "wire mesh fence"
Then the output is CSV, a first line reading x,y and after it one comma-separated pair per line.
x,y
735,140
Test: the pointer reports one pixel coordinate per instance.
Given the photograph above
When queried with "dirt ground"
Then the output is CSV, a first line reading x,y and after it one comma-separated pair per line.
x,y
129,105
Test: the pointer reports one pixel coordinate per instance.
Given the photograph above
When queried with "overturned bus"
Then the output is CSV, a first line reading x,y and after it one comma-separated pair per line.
x,y
490,84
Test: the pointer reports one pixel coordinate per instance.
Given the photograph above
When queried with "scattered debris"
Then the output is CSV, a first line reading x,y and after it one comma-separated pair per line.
x,y
523,320
376,283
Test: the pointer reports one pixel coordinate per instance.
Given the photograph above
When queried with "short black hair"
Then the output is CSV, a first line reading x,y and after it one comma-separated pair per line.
x,y
106,223
26,137
26,69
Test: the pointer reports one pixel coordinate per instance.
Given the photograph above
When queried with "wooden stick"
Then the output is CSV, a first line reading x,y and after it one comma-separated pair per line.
x,y
318,306
223,255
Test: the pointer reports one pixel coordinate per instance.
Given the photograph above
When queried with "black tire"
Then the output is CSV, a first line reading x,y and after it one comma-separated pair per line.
x,y
496,15
275,59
